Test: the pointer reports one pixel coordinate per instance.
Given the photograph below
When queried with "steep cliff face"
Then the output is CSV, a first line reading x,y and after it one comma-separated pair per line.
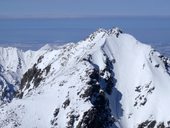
x,y
109,80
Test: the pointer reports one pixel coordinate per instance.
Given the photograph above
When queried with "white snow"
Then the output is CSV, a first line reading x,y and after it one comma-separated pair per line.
x,y
134,67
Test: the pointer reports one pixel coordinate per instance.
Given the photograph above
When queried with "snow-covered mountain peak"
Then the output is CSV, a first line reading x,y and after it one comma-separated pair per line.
x,y
101,33
109,80
46,47
8,58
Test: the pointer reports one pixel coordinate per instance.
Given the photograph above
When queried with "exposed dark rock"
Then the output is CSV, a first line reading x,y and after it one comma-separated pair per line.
x,y
94,75
161,125
110,80
91,90
168,123
101,100
70,123
19,64
146,90
150,59
31,74
144,102
62,83
54,122
72,119
152,124
20,95
166,62
40,59
113,61
56,112
66,103
115,31
96,118
135,104
151,90
157,65
144,124
47,69
138,89
99,116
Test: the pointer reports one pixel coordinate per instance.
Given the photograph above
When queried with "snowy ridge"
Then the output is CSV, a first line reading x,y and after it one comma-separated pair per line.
x,y
109,80
13,64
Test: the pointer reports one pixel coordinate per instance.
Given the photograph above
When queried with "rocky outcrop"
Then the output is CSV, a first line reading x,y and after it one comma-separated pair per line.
x,y
154,124
100,85
33,76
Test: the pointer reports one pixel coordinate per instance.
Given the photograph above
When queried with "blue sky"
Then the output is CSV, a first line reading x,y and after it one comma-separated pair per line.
x,y
82,8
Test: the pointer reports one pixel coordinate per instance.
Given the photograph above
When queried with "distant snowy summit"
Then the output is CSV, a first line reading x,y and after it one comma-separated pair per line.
x,y
109,80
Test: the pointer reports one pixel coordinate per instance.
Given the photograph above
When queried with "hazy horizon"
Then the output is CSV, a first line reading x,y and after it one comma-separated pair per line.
x,y
31,22
34,33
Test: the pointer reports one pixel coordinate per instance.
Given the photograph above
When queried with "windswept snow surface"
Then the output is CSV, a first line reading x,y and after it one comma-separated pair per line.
x,y
109,78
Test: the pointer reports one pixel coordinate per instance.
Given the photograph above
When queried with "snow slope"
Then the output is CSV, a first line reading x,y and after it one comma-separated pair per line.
x,y
109,80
